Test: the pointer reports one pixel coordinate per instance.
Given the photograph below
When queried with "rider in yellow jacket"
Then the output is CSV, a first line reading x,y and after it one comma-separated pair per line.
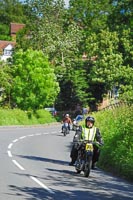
x,y
91,133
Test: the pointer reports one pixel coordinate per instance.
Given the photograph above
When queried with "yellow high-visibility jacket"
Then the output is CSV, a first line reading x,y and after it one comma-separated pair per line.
x,y
91,134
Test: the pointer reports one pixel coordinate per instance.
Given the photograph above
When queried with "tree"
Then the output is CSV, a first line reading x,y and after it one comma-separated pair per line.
x,y
51,33
90,15
108,66
126,84
5,84
125,47
34,83
10,11
64,34
121,16
4,32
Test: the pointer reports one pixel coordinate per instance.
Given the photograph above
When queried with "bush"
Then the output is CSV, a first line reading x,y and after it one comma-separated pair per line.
x,y
44,116
117,127
19,117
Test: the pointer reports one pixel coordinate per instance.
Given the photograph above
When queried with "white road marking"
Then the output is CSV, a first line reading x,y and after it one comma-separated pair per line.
x,y
41,184
53,132
18,165
10,145
9,154
30,135
37,134
21,168
15,140
22,137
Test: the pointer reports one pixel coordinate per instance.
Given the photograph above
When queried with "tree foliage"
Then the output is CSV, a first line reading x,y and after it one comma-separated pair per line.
x,y
121,15
11,11
90,15
5,84
34,83
60,40
49,33
102,29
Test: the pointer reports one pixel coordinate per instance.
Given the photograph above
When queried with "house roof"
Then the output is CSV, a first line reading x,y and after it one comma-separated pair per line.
x,y
4,44
15,27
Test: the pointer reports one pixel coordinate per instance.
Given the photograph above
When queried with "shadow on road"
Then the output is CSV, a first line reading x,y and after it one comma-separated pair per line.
x,y
67,185
34,193
36,158
37,193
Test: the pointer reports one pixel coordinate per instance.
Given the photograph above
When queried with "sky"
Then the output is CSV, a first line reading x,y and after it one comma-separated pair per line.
x,y
66,2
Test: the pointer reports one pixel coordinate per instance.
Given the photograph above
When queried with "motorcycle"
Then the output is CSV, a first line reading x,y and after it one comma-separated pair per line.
x,y
75,122
74,125
65,129
84,158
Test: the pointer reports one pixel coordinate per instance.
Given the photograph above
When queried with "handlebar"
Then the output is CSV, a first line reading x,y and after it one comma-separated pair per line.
x,y
92,142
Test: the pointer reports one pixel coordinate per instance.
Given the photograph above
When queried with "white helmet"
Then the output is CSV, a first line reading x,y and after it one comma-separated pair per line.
x,y
67,115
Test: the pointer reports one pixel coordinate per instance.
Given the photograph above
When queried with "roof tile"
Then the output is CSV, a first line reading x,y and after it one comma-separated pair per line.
x,y
15,27
4,44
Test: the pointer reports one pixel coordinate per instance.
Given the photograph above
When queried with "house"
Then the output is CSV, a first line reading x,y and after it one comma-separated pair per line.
x,y
6,47
14,28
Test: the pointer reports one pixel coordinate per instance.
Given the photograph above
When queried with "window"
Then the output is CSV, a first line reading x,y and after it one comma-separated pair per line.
x,y
7,52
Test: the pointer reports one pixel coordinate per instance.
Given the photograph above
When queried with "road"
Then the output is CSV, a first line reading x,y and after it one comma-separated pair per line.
x,y
34,166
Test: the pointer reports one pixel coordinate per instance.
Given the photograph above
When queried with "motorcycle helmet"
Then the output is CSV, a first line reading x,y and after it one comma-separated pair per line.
x,y
67,115
89,118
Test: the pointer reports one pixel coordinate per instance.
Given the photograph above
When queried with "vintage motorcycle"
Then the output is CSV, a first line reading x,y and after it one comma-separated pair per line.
x,y
65,129
84,158
75,122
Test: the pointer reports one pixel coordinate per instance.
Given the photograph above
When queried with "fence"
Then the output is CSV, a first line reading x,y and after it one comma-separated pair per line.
x,y
115,105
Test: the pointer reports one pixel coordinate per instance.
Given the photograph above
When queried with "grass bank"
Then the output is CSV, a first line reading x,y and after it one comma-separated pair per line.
x,y
18,117
117,130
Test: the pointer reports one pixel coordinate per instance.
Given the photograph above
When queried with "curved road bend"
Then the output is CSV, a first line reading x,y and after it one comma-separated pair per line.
x,y
34,166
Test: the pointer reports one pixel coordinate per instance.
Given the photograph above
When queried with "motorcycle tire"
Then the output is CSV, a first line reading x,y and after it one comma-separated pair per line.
x,y
74,128
87,168
78,167
78,171
64,131
67,131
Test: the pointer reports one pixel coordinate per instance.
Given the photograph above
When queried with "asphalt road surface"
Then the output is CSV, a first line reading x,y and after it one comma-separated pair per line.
x,y
34,166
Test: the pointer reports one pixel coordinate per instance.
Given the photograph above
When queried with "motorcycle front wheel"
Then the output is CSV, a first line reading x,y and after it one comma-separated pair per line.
x,y
67,131
64,131
78,171
87,168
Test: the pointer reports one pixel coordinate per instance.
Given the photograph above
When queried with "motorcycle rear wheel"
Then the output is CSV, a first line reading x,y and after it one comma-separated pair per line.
x,y
78,166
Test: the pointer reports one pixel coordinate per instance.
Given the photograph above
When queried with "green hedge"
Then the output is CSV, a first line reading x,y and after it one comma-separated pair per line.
x,y
117,130
19,117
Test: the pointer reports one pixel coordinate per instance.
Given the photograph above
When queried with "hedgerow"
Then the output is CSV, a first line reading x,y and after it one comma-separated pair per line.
x,y
116,127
